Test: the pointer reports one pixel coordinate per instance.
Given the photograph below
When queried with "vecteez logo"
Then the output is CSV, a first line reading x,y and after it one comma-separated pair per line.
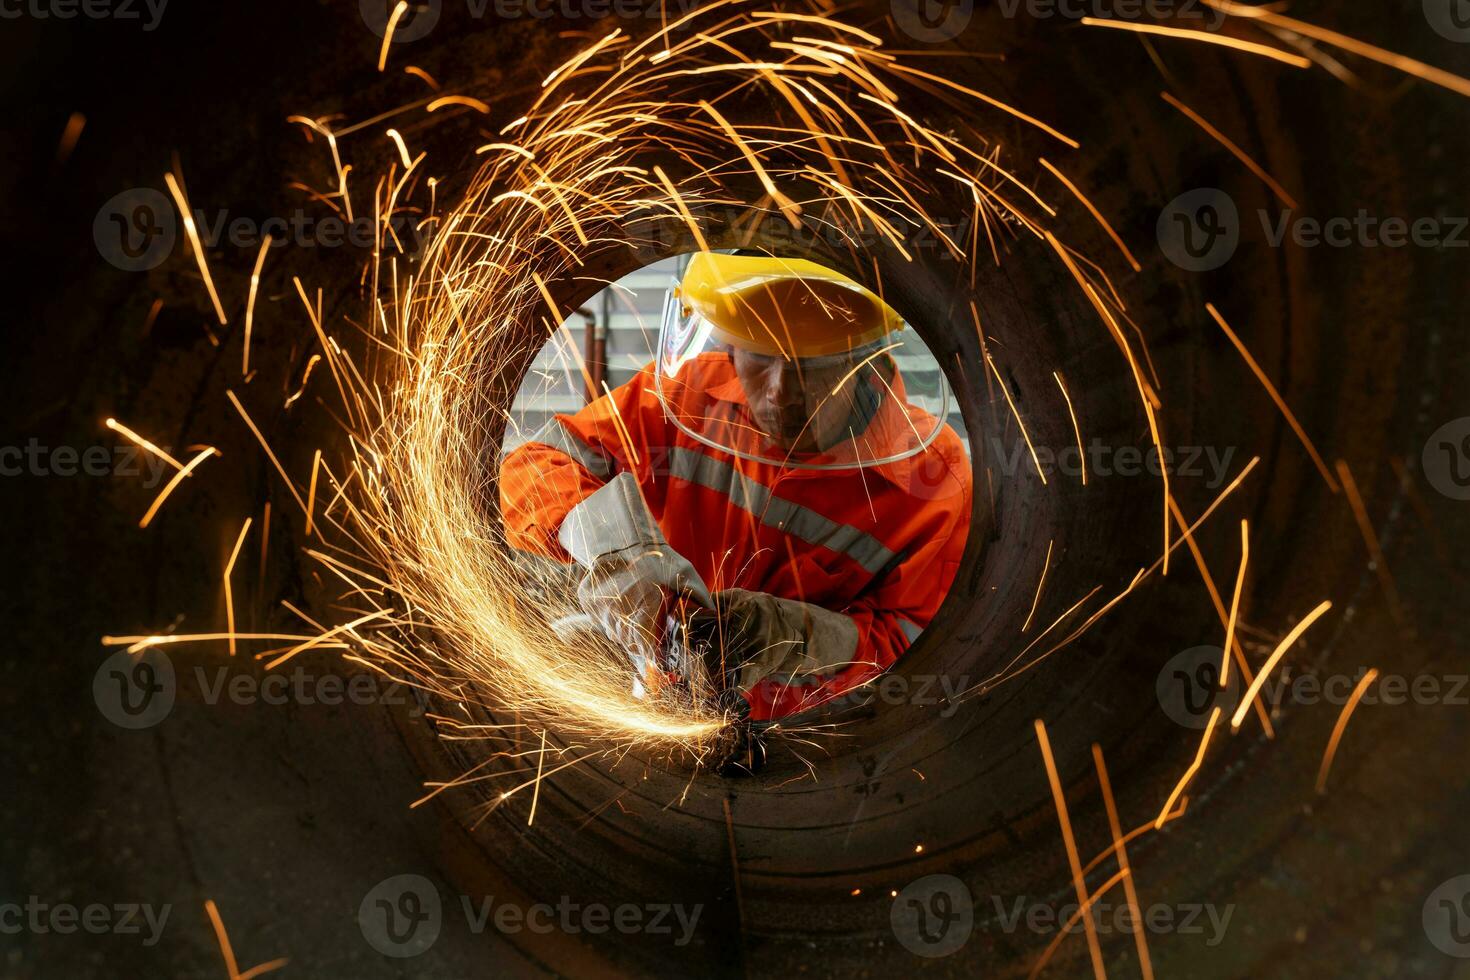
x,y
136,229
1200,229
148,12
1446,459
1188,686
932,21
401,916
416,21
1449,18
1446,917
135,691
933,916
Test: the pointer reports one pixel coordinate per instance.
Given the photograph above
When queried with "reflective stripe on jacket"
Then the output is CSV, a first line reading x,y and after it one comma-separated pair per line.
x,y
881,545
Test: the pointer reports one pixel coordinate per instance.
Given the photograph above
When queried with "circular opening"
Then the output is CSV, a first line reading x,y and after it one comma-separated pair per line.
x,y
750,476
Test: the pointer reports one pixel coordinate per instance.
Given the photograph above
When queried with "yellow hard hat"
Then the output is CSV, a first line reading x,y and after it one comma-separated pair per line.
x,y
783,307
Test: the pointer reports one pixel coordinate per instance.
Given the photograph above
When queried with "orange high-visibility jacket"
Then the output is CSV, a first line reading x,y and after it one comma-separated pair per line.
x,y
881,545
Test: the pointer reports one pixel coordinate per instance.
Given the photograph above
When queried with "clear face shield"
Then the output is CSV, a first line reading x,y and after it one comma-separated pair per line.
x,y
879,403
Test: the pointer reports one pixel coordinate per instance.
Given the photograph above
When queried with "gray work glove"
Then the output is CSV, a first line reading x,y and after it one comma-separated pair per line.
x,y
629,566
783,640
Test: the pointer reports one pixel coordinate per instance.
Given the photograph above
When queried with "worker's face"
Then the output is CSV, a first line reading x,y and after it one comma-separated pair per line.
x,y
793,401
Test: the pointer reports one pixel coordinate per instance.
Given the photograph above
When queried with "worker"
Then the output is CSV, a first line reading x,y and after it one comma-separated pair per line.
x,y
767,466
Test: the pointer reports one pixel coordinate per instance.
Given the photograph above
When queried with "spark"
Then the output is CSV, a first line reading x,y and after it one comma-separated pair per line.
x,y
250,303
1296,427
540,768
1271,661
1342,720
1036,601
1076,429
420,73
1250,47
229,595
1436,76
1116,828
399,9
136,643
305,377
1138,381
141,442
1224,616
1084,908
1199,759
192,233
72,132
397,139
227,952
255,430
1245,553
1096,214
463,100
1060,800
178,478
1240,154
1005,390
316,464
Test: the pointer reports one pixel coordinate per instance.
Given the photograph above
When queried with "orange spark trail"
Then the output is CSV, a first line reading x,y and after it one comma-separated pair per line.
x,y
75,123
908,70
1250,47
1409,66
1245,554
1296,427
540,767
1083,909
1093,949
266,446
1270,664
142,443
1240,154
1116,827
250,302
1022,425
1046,566
178,478
678,200
316,462
1127,349
788,207
1199,758
1223,614
194,243
228,952
1139,831
1096,214
399,9
1076,429
229,595
1341,726
463,100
